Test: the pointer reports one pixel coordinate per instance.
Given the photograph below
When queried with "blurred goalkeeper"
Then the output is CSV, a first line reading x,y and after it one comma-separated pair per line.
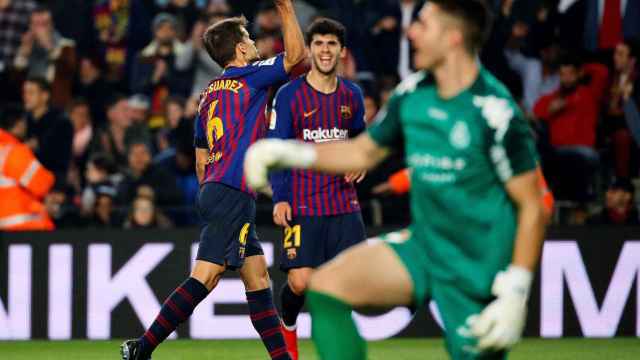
x,y
231,116
478,218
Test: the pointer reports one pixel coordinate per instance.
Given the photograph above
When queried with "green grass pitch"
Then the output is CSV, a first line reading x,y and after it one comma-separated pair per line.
x,y
411,349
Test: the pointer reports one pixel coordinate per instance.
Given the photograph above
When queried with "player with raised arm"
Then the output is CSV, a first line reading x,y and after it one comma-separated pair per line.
x,y
477,215
320,212
231,117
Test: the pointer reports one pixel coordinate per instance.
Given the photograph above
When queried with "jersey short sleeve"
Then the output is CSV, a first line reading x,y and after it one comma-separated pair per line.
x,y
200,135
267,72
386,130
359,124
511,145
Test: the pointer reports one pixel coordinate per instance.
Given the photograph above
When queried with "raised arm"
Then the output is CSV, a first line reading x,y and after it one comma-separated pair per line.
x,y
293,39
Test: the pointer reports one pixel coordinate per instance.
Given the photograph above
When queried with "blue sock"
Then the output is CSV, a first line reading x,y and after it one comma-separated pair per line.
x,y
266,322
176,309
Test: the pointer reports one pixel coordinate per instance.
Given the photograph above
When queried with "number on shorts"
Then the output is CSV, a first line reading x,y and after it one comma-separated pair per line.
x,y
244,234
289,233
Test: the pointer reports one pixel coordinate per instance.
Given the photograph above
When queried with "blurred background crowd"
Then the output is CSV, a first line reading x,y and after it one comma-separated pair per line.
x,y
109,90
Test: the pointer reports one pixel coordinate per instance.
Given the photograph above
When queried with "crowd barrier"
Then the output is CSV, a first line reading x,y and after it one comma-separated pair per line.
x,y
102,284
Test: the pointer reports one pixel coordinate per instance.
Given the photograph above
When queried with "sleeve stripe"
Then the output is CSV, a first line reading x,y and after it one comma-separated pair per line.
x,y
27,176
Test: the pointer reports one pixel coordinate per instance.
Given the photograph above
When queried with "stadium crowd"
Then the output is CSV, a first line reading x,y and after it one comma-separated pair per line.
x,y
110,88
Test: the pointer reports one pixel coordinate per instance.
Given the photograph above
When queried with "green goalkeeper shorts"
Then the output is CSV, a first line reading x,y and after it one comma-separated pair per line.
x,y
455,305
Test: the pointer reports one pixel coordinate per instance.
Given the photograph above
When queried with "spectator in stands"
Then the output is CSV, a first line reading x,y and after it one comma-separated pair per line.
x,y
195,59
615,124
493,56
154,71
112,139
571,113
14,22
620,208
144,215
218,7
44,53
141,172
110,19
23,180
59,205
185,12
80,116
50,134
92,86
101,173
388,36
139,107
607,22
178,127
102,213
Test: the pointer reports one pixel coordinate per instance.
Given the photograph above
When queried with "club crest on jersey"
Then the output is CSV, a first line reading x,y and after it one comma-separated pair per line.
x,y
460,138
345,110
291,253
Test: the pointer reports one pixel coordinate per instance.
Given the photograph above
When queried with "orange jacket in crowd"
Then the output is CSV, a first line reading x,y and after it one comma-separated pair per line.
x,y
23,184
400,184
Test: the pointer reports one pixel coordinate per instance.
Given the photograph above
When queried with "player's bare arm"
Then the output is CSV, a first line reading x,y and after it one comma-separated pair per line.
x,y
526,195
202,157
359,154
293,39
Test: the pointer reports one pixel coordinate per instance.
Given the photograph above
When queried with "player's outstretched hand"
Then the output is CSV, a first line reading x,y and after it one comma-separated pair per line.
x,y
499,326
269,154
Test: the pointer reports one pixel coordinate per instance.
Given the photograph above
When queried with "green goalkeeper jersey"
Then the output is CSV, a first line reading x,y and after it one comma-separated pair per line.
x,y
460,152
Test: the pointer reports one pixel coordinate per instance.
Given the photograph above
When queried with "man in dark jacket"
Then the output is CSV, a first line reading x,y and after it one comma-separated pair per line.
x,y
49,132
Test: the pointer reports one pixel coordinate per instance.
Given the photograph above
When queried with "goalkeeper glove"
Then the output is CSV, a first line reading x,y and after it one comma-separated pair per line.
x,y
499,326
269,154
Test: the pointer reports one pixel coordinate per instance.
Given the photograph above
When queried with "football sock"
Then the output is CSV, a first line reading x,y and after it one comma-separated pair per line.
x,y
175,310
266,322
333,329
291,305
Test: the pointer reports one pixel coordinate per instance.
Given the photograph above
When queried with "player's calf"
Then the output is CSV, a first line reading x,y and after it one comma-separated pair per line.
x,y
292,298
262,310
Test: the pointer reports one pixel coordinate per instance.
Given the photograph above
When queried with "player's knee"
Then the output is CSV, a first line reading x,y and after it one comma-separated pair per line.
x,y
209,275
298,282
257,281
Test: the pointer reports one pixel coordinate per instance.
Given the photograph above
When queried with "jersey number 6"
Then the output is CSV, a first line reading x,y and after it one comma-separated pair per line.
x,y
215,129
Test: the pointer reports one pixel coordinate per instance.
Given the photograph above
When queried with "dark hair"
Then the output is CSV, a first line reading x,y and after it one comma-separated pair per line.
x,y
41,9
41,82
221,38
114,100
570,58
10,115
103,162
326,26
77,102
634,46
476,17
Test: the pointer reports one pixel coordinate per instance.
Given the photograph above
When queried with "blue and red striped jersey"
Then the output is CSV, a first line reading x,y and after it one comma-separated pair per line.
x,y
303,113
231,117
